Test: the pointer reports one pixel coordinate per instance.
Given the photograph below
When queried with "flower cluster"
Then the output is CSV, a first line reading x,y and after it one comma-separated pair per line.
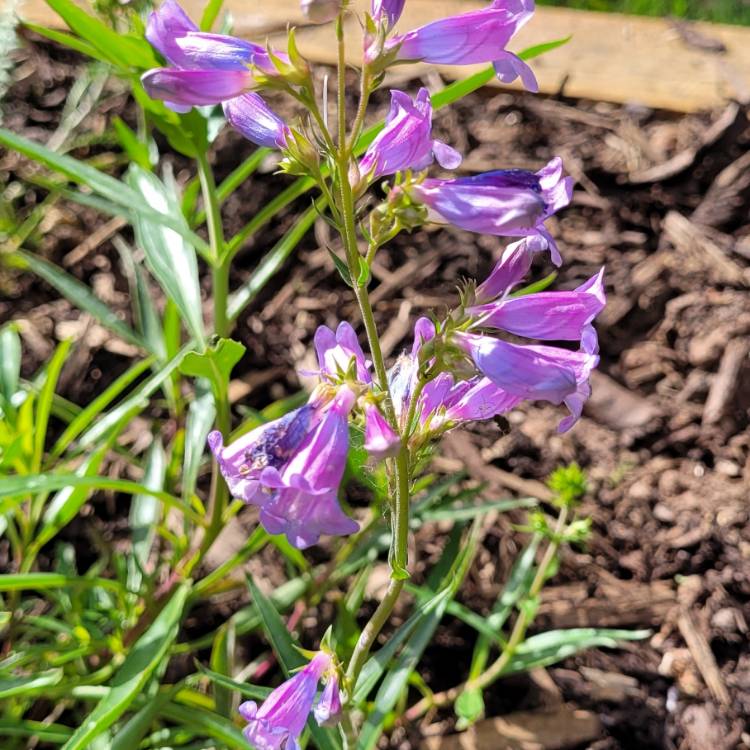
x,y
463,368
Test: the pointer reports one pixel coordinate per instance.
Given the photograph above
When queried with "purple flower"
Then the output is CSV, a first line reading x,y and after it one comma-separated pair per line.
x,y
380,439
338,351
250,115
479,36
402,377
292,468
550,316
534,372
511,268
328,710
445,403
281,719
406,140
303,501
207,68
188,88
509,203
390,10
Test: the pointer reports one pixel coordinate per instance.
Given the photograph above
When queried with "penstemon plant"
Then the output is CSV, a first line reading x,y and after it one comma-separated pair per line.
x,y
291,464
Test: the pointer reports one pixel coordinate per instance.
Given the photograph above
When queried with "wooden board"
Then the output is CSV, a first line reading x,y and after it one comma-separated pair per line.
x,y
612,57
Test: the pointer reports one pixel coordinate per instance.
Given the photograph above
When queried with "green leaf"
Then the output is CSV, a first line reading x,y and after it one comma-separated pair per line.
x,y
142,660
540,49
210,12
254,692
32,685
272,262
222,662
137,726
44,401
10,362
145,513
206,723
170,258
122,50
136,150
87,415
45,581
200,420
129,203
555,645
469,512
470,707
215,364
66,40
341,267
41,731
20,486
74,291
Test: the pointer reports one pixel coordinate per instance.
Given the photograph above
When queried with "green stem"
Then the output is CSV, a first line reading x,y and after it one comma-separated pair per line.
x,y
517,635
341,92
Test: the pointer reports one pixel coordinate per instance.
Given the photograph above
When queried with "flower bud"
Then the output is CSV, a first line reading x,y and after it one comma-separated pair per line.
x,y
320,11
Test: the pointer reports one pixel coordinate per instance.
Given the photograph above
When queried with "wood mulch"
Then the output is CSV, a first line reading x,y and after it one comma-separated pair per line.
x,y
664,202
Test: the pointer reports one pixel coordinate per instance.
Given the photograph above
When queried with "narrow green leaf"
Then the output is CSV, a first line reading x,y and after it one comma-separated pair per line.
x,y
10,362
469,512
121,49
32,685
170,258
145,513
215,363
45,581
210,12
272,262
140,663
200,420
44,401
41,731
66,40
74,291
87,415
245,689
137,726
20,486
222,662
206,723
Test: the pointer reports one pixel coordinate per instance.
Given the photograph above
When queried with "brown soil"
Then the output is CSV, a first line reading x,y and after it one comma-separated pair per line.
x,y
663,202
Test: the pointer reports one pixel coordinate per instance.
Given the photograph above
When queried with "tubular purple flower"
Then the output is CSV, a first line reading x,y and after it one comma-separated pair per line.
x,y
550,316
511,268
281,719
478,36
304,503
166,24
534,372
336,351
509,203
250,115
402,377
196,87
380,439
406,140
270,445
390,10
328,710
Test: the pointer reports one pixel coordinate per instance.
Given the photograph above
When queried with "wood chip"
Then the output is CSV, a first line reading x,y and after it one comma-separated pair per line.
x,y
703,657
725,384
617,407
557,729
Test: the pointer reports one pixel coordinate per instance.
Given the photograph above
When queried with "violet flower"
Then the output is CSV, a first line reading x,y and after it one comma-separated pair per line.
x,y
402,377
390,10
406,140
380,439
478,36
509,203
328,710
534,372
291,469
303,502
511,268
280,720
252,117
338,351
550,316
207,68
